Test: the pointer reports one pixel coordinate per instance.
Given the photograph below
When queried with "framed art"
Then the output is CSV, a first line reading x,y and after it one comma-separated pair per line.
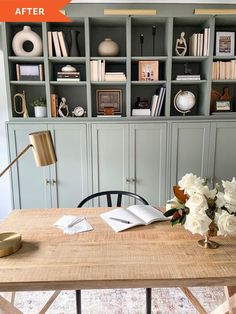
x,y
29,72
223,106
148,70
109,98
225,43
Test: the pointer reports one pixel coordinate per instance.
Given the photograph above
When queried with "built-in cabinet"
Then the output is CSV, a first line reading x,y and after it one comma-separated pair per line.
x,y
128,157
63,184
144,158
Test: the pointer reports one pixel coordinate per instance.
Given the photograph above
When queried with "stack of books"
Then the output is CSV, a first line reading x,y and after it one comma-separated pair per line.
x,y
114,76
97,70
141,112
57,45
72,76
157,102
199,43
187,77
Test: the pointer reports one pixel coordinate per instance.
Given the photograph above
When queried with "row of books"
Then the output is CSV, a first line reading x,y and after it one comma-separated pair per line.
x,y
199,43
224,70
57,45
97,72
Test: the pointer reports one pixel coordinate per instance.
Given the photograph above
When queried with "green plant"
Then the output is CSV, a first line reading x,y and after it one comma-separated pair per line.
x,y
41,102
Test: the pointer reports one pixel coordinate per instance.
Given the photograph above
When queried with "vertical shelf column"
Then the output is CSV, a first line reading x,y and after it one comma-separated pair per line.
x,y
128,66
46,68
87,62
169,33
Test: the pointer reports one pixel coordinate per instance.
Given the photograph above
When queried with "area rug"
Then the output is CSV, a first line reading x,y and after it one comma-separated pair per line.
x,y
121,301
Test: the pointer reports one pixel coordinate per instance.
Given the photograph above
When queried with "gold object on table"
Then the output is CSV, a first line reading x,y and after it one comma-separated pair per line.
x,y
10,242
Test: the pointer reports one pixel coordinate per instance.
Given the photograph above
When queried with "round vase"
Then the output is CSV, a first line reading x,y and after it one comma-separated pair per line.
x,y
27,35
40,112
108,48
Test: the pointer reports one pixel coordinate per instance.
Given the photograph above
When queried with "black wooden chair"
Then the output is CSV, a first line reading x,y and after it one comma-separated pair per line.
x,y
118,202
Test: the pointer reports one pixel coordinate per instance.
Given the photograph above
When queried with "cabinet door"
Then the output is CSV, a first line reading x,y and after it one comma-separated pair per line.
x,y
189,148
110,157
148,161
69,176
30,184
222,157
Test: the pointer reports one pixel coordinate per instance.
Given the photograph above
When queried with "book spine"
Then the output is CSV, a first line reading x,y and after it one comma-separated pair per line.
x,y
17,72
41,72
62,44
53,105
56,44
50,50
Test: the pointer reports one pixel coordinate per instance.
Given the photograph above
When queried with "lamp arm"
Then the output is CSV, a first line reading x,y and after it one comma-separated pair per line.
x,y
14,160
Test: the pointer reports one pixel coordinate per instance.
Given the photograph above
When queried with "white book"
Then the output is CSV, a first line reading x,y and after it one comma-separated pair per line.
x,y
62,44
94,70
120,219
193,45
56,44
68,79
50,50
201,44
103,69
205,41
208,41
154,104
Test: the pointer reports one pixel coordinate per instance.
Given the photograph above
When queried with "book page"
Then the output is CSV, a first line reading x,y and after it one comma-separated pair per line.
x,y
147,213
128,219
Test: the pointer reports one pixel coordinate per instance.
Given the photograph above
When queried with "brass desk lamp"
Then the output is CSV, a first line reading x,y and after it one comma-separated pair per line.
x,y
44,155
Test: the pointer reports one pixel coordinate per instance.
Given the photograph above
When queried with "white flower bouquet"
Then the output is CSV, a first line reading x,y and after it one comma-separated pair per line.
x,y
201,210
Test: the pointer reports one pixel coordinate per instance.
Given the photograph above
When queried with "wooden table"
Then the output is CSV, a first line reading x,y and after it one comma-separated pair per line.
x,y
157,255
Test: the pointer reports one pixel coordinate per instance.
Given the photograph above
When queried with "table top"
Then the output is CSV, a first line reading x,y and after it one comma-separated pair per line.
x,y
157,255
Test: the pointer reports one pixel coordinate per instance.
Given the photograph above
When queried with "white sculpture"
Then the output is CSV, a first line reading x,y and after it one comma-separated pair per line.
x,y
181,45
63,107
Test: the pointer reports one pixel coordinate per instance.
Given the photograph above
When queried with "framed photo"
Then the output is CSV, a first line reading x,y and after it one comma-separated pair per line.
x,y
225,43
109,98
29,72
148,70
223,106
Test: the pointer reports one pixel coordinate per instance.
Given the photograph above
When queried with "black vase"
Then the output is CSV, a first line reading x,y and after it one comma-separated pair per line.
x,y
74,48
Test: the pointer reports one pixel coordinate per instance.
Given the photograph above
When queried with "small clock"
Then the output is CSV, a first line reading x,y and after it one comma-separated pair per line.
x,y
78,111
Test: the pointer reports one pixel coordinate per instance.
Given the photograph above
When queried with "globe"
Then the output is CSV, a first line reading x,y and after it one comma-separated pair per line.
x,y
184,101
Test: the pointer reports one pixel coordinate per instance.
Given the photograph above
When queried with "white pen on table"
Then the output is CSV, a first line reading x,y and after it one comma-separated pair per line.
x,y
121,220
75,221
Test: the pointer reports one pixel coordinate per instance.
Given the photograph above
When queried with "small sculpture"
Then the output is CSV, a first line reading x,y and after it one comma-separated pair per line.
x,y
22,104
63,107
181,46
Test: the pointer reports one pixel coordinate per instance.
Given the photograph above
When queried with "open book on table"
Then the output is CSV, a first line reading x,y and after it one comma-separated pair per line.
x,y
124,218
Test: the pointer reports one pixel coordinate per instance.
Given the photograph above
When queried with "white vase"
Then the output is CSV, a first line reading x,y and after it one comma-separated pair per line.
x,y
108,48
40,112
27,35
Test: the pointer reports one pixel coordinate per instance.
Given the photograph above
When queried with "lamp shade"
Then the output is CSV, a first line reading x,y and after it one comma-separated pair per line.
x,y
43,149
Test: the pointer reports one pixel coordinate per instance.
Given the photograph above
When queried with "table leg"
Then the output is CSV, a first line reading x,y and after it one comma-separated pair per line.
x,y
7,307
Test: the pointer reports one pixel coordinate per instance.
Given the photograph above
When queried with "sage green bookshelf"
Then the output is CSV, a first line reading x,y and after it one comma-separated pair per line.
x,y
170,21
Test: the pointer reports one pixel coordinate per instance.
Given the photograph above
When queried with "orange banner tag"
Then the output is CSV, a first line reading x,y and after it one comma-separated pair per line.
x,y
33,11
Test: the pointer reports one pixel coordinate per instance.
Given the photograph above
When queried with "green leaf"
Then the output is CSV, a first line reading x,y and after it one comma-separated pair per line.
x,y
170,212
182,220
174,222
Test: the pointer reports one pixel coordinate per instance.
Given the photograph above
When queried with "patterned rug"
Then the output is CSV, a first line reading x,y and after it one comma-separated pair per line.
x,y
125,301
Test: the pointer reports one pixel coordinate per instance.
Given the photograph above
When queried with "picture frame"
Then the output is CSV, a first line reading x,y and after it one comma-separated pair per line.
x,y
148,70
225,43
109,98
223,106
29,72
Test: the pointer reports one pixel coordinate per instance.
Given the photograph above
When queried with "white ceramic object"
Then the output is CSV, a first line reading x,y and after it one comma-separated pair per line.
x,y
68,68
27,35
108,48
40,112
